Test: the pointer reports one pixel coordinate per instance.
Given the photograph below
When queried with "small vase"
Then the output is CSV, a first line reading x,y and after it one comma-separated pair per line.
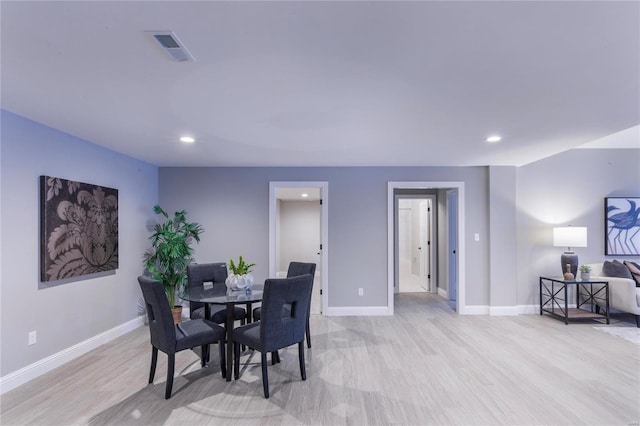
x,y
568,276
585,276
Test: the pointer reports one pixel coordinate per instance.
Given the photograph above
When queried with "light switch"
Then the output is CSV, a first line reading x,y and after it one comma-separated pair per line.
x,y
476,236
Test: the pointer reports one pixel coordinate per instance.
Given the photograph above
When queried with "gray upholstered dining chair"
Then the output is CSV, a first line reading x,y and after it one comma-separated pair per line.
x,y
295,269
171,338
276,331
215,273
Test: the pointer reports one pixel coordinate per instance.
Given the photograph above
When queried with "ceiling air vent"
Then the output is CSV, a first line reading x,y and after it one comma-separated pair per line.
x,y
172,45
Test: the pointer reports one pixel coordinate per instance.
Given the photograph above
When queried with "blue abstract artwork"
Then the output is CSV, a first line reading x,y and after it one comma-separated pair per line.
x,y
622,226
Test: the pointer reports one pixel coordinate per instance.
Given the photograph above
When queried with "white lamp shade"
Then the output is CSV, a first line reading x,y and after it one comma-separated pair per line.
x,y
570,236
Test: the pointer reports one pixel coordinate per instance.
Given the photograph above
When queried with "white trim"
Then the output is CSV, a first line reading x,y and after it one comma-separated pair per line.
x,y
38,368
324,231
461,308
443,293
360,311
503,310
477,310
528,309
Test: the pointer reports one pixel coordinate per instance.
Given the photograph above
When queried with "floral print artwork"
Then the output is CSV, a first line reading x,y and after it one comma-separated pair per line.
x,y
79,228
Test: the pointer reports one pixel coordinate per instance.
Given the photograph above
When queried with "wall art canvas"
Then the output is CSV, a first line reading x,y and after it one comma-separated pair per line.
x,y
78,228
622,226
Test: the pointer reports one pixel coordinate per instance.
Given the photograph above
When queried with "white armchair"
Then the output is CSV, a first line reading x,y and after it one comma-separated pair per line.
x,y
623,293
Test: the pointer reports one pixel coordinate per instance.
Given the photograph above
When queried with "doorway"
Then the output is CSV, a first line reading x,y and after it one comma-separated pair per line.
x,y
416,244
298,232
392,269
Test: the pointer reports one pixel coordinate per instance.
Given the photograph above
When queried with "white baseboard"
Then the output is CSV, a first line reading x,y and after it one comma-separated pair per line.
x,y
503,310
474,310
38,368
528,309
465,310
443,293
344,311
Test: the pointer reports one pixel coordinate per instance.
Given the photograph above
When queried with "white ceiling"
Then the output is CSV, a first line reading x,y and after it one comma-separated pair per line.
x,y
326,83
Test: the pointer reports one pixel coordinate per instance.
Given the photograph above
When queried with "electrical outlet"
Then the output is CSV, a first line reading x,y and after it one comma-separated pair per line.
x,y
360,291
32,338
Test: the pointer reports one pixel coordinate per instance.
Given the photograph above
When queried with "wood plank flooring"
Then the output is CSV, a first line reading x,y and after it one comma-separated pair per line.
x,y
424,366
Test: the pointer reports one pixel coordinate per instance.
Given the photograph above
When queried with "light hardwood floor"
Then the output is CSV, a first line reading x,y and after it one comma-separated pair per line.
x,y
425,365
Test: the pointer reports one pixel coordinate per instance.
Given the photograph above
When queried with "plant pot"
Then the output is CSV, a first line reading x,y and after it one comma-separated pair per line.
x,y
176,311
239,282
585,276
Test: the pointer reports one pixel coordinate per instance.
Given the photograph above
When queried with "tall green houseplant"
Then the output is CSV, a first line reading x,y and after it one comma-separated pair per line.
x,y
171,250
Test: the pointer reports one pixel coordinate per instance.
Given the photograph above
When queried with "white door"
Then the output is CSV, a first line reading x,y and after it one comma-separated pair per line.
x,y
452,246
425,243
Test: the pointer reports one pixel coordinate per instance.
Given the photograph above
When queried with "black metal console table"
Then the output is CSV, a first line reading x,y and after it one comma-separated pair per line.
x,y
554,299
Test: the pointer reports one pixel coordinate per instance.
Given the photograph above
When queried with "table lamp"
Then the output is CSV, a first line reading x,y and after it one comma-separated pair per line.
x,y
569,236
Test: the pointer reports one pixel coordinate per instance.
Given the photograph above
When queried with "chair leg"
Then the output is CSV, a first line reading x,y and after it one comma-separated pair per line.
x,y
223,359
236,360
265,377
275,357
204,355
243,321
170,367
638,321
154,361
308,334
303,370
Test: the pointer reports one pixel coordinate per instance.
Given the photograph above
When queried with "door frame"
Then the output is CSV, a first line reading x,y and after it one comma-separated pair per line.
x,y
324,231
391,269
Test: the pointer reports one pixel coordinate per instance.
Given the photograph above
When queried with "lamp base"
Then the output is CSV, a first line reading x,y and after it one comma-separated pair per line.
x,y
569,258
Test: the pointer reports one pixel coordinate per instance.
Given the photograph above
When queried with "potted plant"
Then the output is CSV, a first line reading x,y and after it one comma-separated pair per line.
x,y
240,277
171,252
585,272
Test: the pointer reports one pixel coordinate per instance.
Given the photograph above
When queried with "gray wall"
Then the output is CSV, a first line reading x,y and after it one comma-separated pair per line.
x,y
64,314
233,206
568,189
502,242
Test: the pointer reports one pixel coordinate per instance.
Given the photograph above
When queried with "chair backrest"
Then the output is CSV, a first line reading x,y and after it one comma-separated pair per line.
x,y
200,273
301,268
278,331
161,326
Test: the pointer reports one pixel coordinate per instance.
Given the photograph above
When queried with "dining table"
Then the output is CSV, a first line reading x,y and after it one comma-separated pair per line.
x,y
230,298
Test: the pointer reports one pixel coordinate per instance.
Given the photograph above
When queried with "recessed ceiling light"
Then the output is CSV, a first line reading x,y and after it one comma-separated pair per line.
x,y
494,138
305,195
187,139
